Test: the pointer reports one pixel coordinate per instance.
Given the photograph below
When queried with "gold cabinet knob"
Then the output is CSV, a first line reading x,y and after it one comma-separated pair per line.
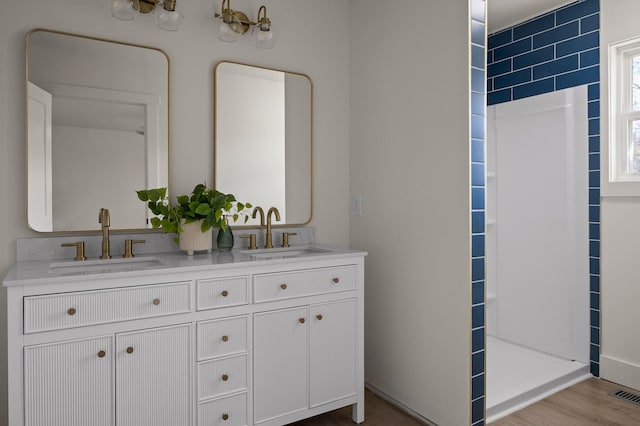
x,y
130,350
71,311
225,338
225,416
301,320
156,301
225,377
319,317
224,293
283,286
336,280
102,354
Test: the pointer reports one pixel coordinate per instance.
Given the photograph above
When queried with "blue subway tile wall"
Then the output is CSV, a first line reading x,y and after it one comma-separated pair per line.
x,y
551,52
559,49
478,185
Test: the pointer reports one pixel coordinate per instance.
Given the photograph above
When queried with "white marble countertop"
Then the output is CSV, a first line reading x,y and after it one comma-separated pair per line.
x,y
35,272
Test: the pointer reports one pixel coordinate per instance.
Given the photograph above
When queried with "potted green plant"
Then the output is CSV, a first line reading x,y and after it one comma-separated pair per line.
x,y
193,216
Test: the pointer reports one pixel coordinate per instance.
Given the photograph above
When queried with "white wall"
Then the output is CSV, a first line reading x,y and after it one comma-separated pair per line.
x,y
194,50
620,251
410,161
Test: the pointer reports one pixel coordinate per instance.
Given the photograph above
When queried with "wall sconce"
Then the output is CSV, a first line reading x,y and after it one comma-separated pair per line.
x,y
233,23
167,17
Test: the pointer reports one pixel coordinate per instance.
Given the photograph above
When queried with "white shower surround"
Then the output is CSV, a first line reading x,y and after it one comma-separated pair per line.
x,y
537,224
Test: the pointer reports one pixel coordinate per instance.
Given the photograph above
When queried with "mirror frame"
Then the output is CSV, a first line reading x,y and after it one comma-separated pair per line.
x,y
311,129
26,128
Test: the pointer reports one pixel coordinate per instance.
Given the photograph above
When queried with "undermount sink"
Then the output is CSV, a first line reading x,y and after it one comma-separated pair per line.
x,y
284,253
104,265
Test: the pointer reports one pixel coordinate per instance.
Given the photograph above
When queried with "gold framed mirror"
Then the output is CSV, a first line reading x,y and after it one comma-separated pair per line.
x,y
263,139
97,125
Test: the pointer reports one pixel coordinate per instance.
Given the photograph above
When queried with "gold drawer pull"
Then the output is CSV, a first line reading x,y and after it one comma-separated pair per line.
x,y
71,311
225,338
156,301
225,416
225,377
130,350
319,317
225,293
336,280
301,320
283,286
101,354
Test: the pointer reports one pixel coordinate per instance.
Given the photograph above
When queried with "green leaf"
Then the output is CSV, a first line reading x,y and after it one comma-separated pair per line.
x,y
205,226
143,195
202,209
183,199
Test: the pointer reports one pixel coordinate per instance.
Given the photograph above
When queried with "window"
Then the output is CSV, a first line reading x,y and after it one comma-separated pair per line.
x,y
624,116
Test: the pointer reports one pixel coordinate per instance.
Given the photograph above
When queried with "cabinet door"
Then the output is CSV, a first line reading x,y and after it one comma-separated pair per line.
x,y
280,363
69,383
332,357
153,377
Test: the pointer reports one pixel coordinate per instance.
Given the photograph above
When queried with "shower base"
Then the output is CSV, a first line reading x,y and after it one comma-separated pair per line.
x,y
517,376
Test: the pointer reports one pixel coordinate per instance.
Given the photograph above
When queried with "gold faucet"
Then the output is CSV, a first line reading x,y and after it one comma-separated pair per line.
x,y
268,236
257,210
105,220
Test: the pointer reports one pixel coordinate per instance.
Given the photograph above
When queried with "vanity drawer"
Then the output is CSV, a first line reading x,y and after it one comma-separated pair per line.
x,y
221,337
67,310
308,282
222,376
221,292
229,411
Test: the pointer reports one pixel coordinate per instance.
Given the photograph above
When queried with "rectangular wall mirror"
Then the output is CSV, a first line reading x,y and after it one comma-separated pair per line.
x,y
97,130
263,138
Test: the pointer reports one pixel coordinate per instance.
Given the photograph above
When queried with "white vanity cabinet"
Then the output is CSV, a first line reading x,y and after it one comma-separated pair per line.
x,y
73,383
58,375
304,357
194,343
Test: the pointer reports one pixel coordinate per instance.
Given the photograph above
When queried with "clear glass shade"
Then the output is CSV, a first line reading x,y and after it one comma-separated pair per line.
x,y
263,36
226,32
125,10
169,20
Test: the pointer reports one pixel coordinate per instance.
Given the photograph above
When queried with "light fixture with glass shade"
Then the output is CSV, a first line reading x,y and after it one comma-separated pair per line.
x,y
263,35
232,23
166,15
125,10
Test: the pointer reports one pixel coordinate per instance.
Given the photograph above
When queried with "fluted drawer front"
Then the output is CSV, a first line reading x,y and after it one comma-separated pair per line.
x,y
303,283
219,292
221,337
67,310
229,411
222,376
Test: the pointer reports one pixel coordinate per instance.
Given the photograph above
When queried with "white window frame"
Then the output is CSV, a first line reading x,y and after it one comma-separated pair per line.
x,y
621,114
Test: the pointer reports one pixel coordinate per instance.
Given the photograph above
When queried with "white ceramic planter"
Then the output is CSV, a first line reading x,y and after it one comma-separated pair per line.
x,y
192,239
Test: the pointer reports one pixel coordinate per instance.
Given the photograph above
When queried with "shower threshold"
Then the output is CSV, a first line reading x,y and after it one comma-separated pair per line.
x,y
518,376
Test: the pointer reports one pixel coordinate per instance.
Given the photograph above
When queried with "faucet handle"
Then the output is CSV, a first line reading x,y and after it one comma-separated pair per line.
x,y
252,240
79,245
285,238
128,247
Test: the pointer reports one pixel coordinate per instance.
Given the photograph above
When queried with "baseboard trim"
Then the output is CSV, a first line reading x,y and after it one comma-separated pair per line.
x,y
399,405
619,371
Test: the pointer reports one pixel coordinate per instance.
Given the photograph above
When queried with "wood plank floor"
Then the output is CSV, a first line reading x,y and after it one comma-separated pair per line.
x,y
585,404
377,412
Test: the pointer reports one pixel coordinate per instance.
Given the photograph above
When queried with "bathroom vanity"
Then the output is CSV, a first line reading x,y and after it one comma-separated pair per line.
x,y
251,337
